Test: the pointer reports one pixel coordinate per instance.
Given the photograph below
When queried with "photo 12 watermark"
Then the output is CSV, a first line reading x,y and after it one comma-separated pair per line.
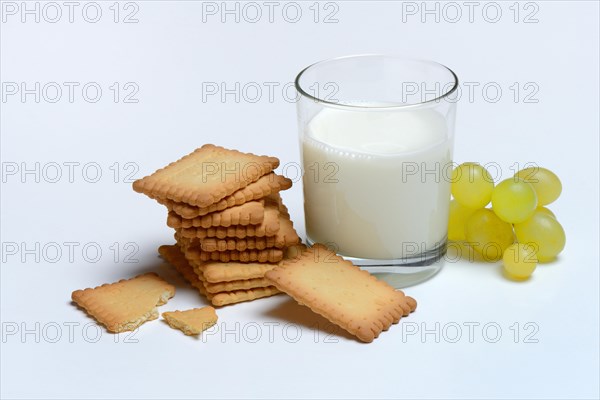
x,y
60,172
447,252
471,92
269,12
53,332
454,12
70,92
247,92
272,332
469,332
69,12
52,252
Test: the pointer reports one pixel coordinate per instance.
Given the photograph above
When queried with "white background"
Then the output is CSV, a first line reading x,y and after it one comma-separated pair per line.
x,y
168,54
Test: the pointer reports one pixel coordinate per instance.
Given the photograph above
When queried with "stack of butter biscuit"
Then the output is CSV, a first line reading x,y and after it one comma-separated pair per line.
x,y
231,225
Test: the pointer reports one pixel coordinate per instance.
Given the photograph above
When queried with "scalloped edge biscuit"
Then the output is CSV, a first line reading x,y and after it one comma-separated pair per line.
x,y
175,257
126,304
230,285
249,243
265,256
191,322
251,213
266,218
241,284
284,236
219,272
263,187
341,292
216,272
206,175
238,296
267,227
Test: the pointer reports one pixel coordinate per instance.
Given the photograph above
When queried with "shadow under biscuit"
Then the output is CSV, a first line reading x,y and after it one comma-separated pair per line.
x,y
171,275
292,312
158,266
164,270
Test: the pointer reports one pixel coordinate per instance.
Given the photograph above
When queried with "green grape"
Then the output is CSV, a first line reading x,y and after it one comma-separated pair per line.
x,y
545,210
519,260
514,200
472,185
545,233
488,234
545,182
458,218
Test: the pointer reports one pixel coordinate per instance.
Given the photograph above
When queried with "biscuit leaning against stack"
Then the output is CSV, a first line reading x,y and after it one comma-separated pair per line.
x,y
230,223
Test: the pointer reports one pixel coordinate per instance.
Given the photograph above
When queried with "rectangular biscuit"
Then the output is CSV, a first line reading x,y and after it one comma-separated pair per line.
x,y
191,322
234,291
191,228
176,258
266,255
250,213
264,186
197,266
218,272
221,232
231,286
206,175
238,296
249,243
126,304
285,236
341,292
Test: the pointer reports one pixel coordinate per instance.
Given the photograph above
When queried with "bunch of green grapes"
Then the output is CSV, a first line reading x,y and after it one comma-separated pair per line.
x,y
517,215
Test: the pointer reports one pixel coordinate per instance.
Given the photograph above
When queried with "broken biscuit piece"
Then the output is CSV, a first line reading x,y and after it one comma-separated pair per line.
x,y
191,322
127,304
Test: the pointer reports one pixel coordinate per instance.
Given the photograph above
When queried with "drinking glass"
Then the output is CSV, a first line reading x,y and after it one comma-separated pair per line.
x,y
376,140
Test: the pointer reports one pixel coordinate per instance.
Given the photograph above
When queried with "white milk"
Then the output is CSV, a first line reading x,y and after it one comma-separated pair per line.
x,y
376,183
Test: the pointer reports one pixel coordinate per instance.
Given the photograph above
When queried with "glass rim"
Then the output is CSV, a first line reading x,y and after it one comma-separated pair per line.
x,y
366,107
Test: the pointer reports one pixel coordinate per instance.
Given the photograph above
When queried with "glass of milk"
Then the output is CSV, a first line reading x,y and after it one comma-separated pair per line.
x,y
376,139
